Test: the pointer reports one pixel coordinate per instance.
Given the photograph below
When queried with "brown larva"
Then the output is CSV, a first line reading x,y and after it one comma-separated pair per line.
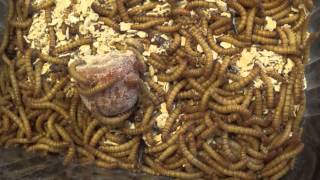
x,y
52,60
301,20
97,136
101,155
38,79
109,22
228,153
200,4
28,64
283,36
204,45
53,143
13,81
112,121
142,19
222,100
73,71
218,49
288,20
264,40
13,117
281,14
250,22
269,87
243,14
190,94
239,130
148,24
194,84
168,29
142,128
271,4
89,131
233,41
141,9
42,147
176,41
97,88
43,5
281,50
291,37
167,153
120,148
281,138
122,10
289,96
49,105
157,64
215,155
106,165
245,113
72,45
275,10
26,122
244,81
265,33
274,170
157,87
21,24
258,109
51,94
101,10
63,133
20,40
299,117
248,3
189,49
150,95
5,39
193,72
173,93
70,155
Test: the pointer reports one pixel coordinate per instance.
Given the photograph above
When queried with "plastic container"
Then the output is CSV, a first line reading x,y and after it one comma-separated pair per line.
x,y
16,164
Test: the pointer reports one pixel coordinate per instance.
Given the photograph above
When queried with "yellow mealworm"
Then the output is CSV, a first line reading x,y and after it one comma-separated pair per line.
x,y
52,60
283,36
122,10
250,22
53,143
156,64
265,33
214,155
73,71
218,49
291,37
20,40
101,10
119,148
277,9
244,81
138,130
49,105
200,4
141,9
99,87
51,94
245,113
101,155
26,122
157,87
208,53
89,131
224,101
69,156
282,13
189,49
106,165
43,5
72,45
196,85
228,153
264,40
112,121
233,41
42,147
63,133
110,22
147,25
281,50
192,116
168,29
275,169
13,117
21,24
298,84
97,136
289,96
241,10
258,109
176,41
269,87
13,81
82,151
301,20
173,94
147,18
38,79
299,117
174,75
239,129
266,5
167,153
248,3
120,154
281,138
288,20
190,94
194,72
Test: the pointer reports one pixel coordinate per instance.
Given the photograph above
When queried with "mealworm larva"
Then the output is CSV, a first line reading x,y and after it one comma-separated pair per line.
x,y
242,11
38,79
239,130
208,53
194,72
49,105
167,153
301,20
73,71
288,100
13,117
171,173
168,29
138,130
51,128
288,20
89,131
275,10
158,65
224,101
258,109
226,148
196,85
265,33
150,95
120,154
51,94
245,113
173,93
191,158
53,143
174,45
112,121
52,60
250,22
248,3
106,165
174,75
216,156
275,169
169,123
42,147
223,170
5,125
101,10
147,25
230,39
190,94
21,24
97,136
26,122
244,81
63,133
281,138
281,14
69,156
147,18
283,157
264,40
281,50
72,45
122,10
28,64
100,86
200,4
291,37
141,9
189,49
158,88
13,81
110,22
218,49
5,39
20,40
101,155
43,5
283,36
299,117
270,90
120,148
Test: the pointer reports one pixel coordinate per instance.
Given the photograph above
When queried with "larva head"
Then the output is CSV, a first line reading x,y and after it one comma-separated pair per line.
x,y
122,95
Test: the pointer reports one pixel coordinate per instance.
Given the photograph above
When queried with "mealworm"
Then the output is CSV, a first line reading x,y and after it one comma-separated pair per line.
x,y
250,22
20,40
168,29
120,148
173,94
265,33
190,94
208,53
69,156
248,3
148,24
101,10
112,121
51,94
13,81
26,122
21,24
147,18
53,143
289,96
106,165
63,133
291,37
196,85
218,49
226,148
99,87
195,72
241,10
120,154
275,169
300,22
52,60
271,4
167,153
97,136
244,81
233,41
176,41
73,71
157,87
158,65
264,40
281,138
72,45
205,97
239,129
43,5
224,101
138,130
42,147
275,10
151,96
281,14
189,49
122,10
288,20
89,131
13,117
49,105
200,4
213,154
270,90
281,50
109,22
101,155
141,9
299,117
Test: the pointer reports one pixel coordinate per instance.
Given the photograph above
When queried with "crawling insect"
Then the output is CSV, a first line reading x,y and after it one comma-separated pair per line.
x,y
121,147
200,4
244,81
43,5
198,87
42,147
270,90
97,136
72,45
242,11
239,129
291,37
265,33
258,109
109,22
218,49
168,29
51,94
122,10
157,87
174,45
101,10
230,39
264,40
49,105
288,20
174,75
21,24
141,9
70,155
147,25
99,87
112,121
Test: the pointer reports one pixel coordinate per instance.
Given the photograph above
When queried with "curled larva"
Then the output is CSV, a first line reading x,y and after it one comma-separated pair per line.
x,y
281,50
141,9
204,45
157,87
112,121
215,155
13,117
21,24
43,5
122,10
239,130
157,64
176,41
191,158
217,48
97,88
101,10
13,81
120,148
283,36
73,71
109,22
49,105
190,94
70,155
205,97
275,169
101,155
189,48
288,20
242,11
168,29
230,39
147,25
291,37
97,136
173,93
179,70
72,45
51,94
63,133
301,20
167,153
282,13
38,79
281,138
194,84
244,81
269,87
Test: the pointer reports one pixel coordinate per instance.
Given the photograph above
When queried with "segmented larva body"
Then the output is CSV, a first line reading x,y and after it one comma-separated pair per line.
x,y
72,45
244,81
281,138
239,130
270,90
233,41
101,10
109,22
97,136
169,123
21,24
291,36
121,147
242,11
148,24
281,50
43,5
97,88
250,22
288,20
265,33
218,49
168,29
122,10
174,75
70,155
141,9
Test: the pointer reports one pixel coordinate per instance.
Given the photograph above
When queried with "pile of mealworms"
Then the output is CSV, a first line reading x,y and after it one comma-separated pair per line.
x,y
217,126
